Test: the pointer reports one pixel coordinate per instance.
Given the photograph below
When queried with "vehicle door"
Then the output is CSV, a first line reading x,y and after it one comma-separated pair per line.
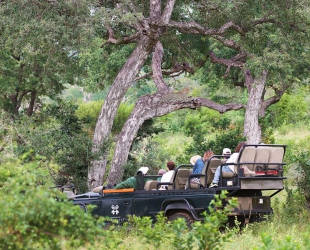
x,y
117,206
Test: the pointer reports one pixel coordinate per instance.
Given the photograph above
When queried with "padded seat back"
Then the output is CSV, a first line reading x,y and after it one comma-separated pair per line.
x,y
261,157
247,158
180,178
210,170
149,185
276,156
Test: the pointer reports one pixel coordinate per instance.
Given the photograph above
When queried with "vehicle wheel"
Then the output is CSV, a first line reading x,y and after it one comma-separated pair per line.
x,y
186,216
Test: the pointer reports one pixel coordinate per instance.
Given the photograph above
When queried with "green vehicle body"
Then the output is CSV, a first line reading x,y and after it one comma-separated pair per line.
x,y
190,202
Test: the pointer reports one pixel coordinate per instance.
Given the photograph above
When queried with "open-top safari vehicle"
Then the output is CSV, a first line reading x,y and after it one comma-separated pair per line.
x,y
257,177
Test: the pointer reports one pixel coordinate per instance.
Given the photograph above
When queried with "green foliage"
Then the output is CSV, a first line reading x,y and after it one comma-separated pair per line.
x,y
39,44
290,109
208,234
145,153
61,139
176,234
88,112
292,210
303,180
8,170
226,139
122,114
205,121
32,218
223,139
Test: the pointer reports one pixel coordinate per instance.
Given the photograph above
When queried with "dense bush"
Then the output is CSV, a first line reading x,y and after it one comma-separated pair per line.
x,y
291,109
57,134
298,158
32,218
176,234
89,113
223,139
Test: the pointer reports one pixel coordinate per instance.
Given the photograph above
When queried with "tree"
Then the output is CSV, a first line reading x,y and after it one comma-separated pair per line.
x,y
39,44
254,42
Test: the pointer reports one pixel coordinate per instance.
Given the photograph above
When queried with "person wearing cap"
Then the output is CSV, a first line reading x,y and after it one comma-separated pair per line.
x,y
226,152
167,176
227,168
161,172
131,182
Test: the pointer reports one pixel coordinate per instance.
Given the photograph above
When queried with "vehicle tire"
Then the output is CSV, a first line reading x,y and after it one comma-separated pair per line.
x,y
186,216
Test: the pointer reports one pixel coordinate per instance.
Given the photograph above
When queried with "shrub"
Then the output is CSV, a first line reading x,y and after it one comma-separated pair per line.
x,y
31,217
176,235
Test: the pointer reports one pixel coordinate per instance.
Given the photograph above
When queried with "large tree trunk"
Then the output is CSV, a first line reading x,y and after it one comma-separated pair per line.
x,y
150,106
111,104
33,97
252,129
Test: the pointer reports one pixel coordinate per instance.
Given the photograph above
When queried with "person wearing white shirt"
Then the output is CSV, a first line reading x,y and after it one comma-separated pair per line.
x,y
227,168
167,176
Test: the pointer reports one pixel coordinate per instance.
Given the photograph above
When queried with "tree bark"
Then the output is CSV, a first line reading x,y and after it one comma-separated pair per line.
x,y
150,106
111,104
33,96
252,129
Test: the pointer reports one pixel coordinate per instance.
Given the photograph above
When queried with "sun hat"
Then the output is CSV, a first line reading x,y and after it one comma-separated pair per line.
x,y
143,170
226,151
194,159
161,171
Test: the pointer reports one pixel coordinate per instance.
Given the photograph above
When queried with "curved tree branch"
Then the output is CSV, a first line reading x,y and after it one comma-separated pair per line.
x,y
195,28
165,18
156,66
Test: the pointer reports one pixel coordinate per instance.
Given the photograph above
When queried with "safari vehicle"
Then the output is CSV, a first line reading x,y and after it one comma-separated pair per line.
x,y
186,199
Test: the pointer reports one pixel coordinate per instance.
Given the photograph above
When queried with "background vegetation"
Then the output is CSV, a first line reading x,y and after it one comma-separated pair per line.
x,y
50,100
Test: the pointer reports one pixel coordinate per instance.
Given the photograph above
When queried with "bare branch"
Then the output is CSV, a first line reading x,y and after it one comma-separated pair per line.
x,y
156,66
227,42
248,78
176,70
260,21
195,28
155,10
123,40
193,103
165,18
274,99
227,62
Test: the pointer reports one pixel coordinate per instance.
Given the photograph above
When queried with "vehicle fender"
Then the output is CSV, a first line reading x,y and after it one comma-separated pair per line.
x,y
177,205
82,206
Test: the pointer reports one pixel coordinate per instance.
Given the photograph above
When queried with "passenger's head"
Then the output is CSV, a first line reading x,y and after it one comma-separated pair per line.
x,y
194,159
170,165
208,154
161,171
226,152
240,146
143,170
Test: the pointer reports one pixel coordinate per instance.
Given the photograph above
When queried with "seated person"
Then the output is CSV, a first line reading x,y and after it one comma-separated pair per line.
x,y
194,159
131,182
161,172
227,168
167,176
226,153
200,163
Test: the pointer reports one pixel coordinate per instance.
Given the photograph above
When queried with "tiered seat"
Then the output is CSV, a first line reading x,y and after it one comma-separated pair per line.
x,y
151,185
206,175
